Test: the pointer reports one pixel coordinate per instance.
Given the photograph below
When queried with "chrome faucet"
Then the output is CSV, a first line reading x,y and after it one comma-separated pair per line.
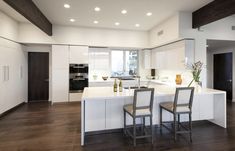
x,y
138,77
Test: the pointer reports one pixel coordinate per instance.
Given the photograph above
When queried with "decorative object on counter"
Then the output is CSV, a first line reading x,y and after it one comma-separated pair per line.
x,y
95,77
120,86
178,79
196,71
153,73
104,78
115,86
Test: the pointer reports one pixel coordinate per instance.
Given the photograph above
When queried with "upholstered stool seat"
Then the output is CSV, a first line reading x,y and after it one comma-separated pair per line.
x,y
140,112
169,106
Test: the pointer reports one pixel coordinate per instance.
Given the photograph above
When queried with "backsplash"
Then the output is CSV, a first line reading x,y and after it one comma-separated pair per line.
x,y
170,76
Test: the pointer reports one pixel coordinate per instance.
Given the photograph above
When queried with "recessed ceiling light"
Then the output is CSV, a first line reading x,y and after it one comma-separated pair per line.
x,y
137,25
149,14
117,23
96,22
97,9
72,20
66,6
124,11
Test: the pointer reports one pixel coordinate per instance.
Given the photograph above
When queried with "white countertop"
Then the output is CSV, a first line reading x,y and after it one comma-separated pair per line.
x,y
160,90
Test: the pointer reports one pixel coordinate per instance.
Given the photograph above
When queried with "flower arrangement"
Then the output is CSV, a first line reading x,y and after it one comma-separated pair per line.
x,y
196,71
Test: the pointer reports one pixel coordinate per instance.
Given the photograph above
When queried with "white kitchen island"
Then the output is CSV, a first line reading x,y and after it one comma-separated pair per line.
x,y
102,109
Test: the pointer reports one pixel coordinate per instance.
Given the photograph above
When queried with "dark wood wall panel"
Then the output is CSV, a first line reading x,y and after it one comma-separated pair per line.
x,y
29,10
213,11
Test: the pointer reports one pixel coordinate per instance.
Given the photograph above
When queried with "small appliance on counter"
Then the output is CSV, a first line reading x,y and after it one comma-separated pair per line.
x,y
78,80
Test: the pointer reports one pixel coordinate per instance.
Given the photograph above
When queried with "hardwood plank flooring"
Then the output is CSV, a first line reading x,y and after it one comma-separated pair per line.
x,y
42,127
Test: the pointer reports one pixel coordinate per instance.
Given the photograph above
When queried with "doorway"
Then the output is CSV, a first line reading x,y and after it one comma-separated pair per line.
x,y
38,76
223,73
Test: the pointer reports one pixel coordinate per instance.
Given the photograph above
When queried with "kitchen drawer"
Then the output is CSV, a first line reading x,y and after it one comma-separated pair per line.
x,y
75,97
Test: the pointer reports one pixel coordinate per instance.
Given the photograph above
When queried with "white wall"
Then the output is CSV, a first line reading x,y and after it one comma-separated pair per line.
x,y
220,30
8,27
211,67
43,48
170,28
84,36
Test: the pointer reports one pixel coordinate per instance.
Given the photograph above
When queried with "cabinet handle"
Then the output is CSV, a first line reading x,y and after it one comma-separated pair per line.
x,y
4,73
7,73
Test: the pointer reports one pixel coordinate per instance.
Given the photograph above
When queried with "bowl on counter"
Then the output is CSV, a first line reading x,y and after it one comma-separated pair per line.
x,y
105,78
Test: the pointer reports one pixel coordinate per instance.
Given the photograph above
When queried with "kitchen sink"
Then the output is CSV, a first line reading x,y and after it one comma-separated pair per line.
x,y
142,87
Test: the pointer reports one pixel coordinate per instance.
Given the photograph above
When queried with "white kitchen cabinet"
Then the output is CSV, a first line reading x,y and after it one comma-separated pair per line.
x,y
147,59
74,97
60,73
205,112
60,85
60,57
78,54
173,56
114,113
13,75
95,115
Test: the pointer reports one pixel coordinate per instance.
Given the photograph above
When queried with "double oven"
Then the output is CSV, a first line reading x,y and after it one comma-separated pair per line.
x,y
78,77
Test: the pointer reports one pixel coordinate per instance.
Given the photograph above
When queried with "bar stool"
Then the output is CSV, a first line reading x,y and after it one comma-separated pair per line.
x,y
141,108
182,105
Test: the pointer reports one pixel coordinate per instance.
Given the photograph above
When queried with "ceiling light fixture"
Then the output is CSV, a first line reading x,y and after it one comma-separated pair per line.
x,y
72,20
66,6
124,11
137,25
97,9
149,14
117,23
96,22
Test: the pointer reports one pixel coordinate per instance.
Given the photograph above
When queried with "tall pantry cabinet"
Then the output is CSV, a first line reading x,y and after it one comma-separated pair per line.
x,y
60,73
13,74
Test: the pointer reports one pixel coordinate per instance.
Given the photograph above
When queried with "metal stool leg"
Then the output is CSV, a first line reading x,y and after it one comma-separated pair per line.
x,y
124,122
151,127
160,119
175,127
178,122
190,126
134,131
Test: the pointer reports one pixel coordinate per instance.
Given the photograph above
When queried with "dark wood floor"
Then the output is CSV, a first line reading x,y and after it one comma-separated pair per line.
x,y
41,127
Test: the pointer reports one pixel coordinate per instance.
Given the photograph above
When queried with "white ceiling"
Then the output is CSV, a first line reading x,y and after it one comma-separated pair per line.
x,y
83,12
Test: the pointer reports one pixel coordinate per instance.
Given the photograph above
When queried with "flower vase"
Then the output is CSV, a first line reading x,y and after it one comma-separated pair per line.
x,y
198,86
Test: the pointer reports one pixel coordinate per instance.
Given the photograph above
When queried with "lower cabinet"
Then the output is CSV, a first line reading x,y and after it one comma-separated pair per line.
x,y
60,85
108,114
74,97
95,115
114,113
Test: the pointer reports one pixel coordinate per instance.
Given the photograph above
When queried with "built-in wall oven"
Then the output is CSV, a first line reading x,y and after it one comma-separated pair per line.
x,y
78,77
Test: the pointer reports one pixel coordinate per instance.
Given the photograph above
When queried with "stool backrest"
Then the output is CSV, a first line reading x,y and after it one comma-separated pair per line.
x,y
143,99
183,99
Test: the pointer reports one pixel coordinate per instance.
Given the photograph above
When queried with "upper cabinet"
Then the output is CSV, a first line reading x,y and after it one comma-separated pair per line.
x,y
173,56
147,59
60,57
78,54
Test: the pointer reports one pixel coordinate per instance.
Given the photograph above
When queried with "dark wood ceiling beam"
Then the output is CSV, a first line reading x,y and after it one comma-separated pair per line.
x,y
213,11
30,11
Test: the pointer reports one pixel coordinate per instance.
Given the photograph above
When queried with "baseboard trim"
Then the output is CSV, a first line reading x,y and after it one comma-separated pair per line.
x,y
11,110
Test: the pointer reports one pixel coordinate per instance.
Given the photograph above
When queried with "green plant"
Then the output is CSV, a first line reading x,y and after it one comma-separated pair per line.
x,y
196,71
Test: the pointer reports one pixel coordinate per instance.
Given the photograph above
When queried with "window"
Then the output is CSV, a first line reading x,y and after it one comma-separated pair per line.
x,y
124,63
99,62
115,63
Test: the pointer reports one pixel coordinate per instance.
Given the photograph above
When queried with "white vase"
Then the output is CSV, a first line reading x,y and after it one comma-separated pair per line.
x,y
198,87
